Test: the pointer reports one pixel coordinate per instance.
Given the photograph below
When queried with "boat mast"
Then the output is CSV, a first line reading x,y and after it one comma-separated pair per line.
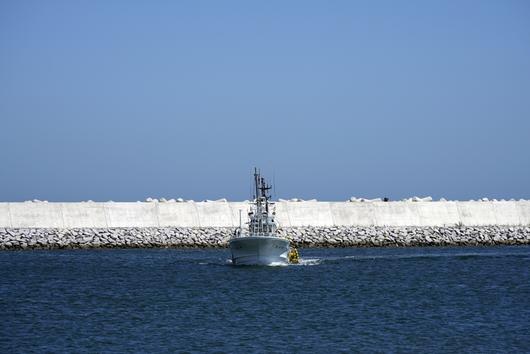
x,y
256,195
261,218
256,182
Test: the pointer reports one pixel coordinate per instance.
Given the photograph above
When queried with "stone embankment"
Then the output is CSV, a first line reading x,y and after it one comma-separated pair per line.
x,y
334,236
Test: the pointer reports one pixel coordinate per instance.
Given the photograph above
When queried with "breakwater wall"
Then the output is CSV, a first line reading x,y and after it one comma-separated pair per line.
x,y
289,214
345,236
43,225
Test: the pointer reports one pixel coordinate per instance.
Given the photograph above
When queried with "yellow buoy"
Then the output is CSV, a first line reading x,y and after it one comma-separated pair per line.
x,y
293,257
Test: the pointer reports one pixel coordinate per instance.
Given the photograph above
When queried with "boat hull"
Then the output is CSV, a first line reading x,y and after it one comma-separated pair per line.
x,y
259,250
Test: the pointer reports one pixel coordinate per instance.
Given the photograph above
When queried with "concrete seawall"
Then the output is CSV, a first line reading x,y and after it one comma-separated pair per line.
x,y
44,225
289,214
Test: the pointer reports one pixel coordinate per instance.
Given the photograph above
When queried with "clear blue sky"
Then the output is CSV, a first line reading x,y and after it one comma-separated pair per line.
x,y
123,100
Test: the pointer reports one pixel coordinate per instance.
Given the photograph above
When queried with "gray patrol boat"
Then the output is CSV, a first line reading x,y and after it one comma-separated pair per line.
x,y
261,245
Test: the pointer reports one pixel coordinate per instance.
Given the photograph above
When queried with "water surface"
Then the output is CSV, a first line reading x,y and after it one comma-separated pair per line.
x,y
364,300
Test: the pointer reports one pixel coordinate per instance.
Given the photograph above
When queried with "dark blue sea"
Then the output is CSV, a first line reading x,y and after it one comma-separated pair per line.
x,y
445,300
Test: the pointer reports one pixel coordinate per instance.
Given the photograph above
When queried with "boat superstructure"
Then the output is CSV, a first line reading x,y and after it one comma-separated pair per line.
x,y
261,245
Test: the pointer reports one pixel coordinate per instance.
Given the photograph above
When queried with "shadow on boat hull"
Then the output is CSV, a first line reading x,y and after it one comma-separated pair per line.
x,y
259,250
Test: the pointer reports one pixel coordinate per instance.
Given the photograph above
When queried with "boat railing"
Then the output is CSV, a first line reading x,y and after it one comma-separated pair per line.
x,y
238,232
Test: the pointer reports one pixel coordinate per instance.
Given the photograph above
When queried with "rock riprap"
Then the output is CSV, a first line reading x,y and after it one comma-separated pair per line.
x,y
217,237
